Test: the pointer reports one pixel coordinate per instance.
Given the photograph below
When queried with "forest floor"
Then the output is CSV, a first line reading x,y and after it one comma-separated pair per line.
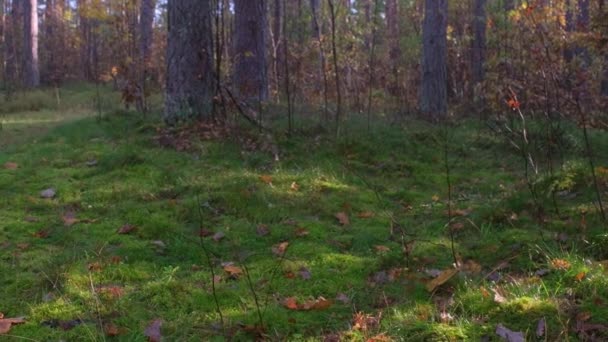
x,y
107,232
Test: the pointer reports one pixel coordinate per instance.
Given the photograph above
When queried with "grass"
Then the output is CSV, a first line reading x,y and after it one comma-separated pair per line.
x,y
54,273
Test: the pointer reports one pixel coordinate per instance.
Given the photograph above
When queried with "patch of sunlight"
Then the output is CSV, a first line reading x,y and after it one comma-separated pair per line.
x,y
326,183
60,308
341,261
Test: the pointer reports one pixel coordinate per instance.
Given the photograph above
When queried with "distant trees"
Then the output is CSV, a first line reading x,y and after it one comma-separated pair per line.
x,y
190,82
434,97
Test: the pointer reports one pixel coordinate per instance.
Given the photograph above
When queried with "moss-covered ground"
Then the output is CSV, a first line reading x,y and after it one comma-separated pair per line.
x,y
136,230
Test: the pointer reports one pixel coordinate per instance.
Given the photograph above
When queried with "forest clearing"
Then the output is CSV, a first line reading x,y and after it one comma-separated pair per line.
x,y
331,172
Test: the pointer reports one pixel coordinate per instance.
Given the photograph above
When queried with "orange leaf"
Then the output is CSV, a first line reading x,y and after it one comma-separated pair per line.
x,y
560,264
290,303
365,214
233,271
580,276
381,248
441,279
317,304
111,329
266,179
280,248
343,218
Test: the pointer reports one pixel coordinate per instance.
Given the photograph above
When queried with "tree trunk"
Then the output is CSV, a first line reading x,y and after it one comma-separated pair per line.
x,y
12,50
31,74
250,71
433,99
478,49
604,84
190,78
393,35
146,31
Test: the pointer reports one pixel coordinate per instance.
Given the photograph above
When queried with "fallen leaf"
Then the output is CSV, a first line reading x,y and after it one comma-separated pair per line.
x,y
509,335
580,276
110,329
233,271
560,264
48,193
471,266
111,290
217,237
204,232
343,218
294,186
42,234
7,323
441,279
126,229
317,304
11,166
152,331
280,248
381,249
365,214
583,316
498,297
94,267
305,273
266,179
541,327
69,218
262,230
290,303
484,293
301,232
344,299
435,198
433,273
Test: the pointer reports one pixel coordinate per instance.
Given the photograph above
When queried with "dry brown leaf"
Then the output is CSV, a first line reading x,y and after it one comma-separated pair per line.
x,y
94,267
560,264
69,218
290,303
126,229
110,329
280,248
233,271
381,248
11,166
580,276
266,179
262,230
294,186
317,304
365,214
343,218
441,279
152,331
301,232
42,234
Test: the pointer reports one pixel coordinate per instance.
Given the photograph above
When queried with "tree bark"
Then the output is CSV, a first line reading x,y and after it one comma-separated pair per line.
x,y
190,78
433,99
146,31
478,49
13,51
604,82
31,74
393,36
250,70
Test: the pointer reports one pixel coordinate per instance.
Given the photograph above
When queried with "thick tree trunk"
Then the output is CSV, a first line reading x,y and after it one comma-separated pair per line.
x,y
478,48
434,99
31,74
190,79
250,71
